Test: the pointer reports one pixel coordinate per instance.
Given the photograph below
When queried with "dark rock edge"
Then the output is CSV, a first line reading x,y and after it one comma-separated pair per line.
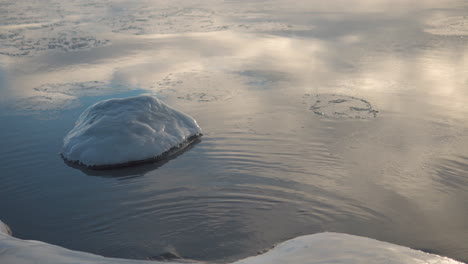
x,y
166,155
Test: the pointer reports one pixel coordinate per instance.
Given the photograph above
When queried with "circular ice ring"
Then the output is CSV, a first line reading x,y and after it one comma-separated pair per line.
x,y
341,106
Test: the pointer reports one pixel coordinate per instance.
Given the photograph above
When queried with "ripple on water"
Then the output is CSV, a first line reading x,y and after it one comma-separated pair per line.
x,y
451,173
241,190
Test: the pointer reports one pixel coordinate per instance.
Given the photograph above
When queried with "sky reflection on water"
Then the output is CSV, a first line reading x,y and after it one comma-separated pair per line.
x,y
268,168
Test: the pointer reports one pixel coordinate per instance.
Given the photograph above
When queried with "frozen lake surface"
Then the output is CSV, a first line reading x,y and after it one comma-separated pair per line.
x,y
344,116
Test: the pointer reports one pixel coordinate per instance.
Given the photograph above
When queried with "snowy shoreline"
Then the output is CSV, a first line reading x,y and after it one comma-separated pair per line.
x,y
317,248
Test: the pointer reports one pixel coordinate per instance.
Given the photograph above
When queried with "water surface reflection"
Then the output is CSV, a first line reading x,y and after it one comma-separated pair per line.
x,y
268,168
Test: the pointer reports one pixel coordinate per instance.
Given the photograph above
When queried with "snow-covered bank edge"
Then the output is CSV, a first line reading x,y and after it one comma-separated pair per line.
x,y
317,248
18,251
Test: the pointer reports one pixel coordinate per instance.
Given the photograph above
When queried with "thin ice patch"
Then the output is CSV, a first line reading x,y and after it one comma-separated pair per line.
x,y
341,106
36,40
161,19
63,96
448,26
200,87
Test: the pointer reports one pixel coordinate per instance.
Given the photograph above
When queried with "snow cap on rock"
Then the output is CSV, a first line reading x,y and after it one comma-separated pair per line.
x,y
123,131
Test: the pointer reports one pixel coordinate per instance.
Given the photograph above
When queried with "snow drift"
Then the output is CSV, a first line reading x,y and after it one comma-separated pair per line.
x,y
319,248
340,248
120,132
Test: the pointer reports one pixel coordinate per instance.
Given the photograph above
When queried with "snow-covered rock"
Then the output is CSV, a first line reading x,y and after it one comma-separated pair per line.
x,y
4,229
118,132
319,248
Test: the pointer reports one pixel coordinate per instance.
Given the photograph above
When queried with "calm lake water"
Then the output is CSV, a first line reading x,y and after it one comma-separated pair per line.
x,y
345,116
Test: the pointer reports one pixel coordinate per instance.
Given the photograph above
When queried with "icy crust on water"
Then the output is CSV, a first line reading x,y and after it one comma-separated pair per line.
x,y
119,132
448,26
341,106
200,87
30,28
319,248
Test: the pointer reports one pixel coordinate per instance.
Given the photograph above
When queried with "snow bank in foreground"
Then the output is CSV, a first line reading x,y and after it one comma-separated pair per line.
x,y
119,132
342,248
319,248
17,251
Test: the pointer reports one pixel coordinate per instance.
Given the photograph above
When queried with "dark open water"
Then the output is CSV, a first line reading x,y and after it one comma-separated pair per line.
x,y
282,90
